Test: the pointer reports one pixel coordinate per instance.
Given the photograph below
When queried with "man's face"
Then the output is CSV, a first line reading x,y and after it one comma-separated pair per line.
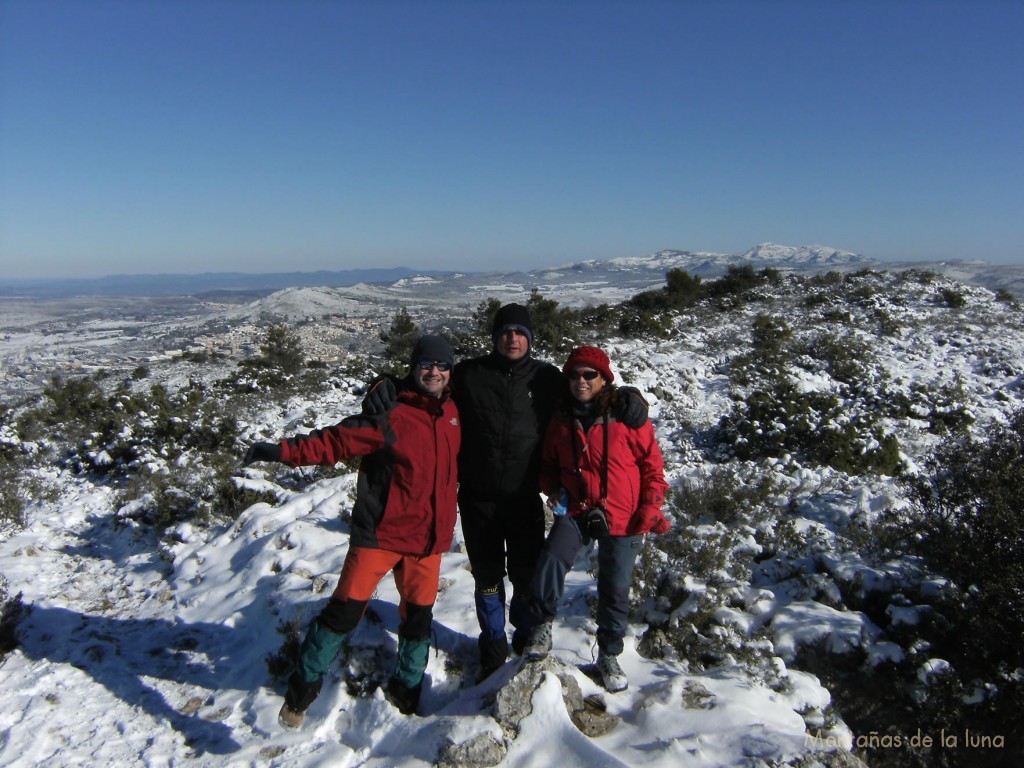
x,y
513,344
429,377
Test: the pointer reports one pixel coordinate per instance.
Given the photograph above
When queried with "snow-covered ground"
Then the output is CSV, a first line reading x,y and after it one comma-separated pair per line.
x,y
137,655
130,660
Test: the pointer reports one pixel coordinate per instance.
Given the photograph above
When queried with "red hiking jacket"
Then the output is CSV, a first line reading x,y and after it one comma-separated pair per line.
x,y
636,470
406,490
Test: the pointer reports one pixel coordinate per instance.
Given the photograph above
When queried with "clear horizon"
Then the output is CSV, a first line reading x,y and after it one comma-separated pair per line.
x,y
189,137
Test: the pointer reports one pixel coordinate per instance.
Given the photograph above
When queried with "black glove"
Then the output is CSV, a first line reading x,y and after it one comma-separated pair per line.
x,y
380,397
630,407
262,452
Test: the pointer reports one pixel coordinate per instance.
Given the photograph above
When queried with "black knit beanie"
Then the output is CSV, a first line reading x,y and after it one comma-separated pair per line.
x,y
434,348
515,317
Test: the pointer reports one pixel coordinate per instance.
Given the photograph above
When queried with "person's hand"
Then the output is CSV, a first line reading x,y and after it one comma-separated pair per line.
x,y
380,397
659,524
630,407
262,452
653,522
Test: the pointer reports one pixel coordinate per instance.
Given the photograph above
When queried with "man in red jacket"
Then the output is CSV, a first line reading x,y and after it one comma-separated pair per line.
x,y
402,521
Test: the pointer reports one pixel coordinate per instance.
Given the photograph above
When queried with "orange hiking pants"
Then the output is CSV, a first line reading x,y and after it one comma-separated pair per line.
x,y
416,578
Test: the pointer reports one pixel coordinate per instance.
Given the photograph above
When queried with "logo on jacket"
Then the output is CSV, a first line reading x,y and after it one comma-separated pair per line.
x,y
455,422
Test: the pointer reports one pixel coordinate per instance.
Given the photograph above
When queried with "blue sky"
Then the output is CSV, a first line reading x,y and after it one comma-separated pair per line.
x,y
153,136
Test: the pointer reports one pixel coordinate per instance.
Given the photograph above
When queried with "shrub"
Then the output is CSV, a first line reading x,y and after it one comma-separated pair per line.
x,y
12,503
814,426
280,360
399,340
645,324
684,288
554,329
702,566
846,359
968,524
953,299
965,525
769,338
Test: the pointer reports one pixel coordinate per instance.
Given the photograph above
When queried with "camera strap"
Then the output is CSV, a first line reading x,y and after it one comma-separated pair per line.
x,y
604,463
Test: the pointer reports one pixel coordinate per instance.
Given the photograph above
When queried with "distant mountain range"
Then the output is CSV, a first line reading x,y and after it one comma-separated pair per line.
x,y
579,283
202,283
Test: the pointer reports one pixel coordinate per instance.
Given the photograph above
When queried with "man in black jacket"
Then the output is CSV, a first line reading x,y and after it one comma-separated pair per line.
x,y
505,401
508,397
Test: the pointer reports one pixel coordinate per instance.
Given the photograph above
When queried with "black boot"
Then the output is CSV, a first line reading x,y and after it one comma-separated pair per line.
x,y
297,698
493,654
403,697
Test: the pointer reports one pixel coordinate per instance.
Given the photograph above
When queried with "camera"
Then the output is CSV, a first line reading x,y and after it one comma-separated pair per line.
x,y
595,523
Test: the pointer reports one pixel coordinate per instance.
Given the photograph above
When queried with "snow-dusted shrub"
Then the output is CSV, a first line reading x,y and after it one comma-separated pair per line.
x,y
644,324
183,492
555,330
952,298
399,339
281,663
775,413
947,406
12,503
961,656
693,582
845,359
279,362
77,404
652,314
968,524
815,426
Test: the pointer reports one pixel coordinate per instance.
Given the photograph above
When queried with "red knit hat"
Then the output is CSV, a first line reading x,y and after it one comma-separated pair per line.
x,y
591,357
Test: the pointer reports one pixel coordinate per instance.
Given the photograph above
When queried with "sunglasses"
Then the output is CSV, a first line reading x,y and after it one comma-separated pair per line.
x,y
441,365
588,375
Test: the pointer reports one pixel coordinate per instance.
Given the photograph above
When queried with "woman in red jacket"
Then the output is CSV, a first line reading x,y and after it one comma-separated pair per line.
x,y
402,521
612,480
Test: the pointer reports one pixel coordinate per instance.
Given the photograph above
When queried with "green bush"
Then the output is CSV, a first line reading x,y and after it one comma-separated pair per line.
x,y
643,324
554,329
965,526
968,524
12,501
953,298
813,426
702,565
280,360
399,340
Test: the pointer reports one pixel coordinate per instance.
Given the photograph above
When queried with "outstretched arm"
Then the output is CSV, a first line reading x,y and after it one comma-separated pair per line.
x,y
355,436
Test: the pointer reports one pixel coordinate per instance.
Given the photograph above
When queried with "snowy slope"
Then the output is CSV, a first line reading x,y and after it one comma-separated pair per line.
x,y
137,655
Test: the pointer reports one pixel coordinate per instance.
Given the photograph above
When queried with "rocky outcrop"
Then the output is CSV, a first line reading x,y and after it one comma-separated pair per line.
x,y
514,703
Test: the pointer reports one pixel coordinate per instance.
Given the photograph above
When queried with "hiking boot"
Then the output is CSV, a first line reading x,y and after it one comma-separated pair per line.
x,y
612,676
493,654
539,643
297,698
291,718
404,698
